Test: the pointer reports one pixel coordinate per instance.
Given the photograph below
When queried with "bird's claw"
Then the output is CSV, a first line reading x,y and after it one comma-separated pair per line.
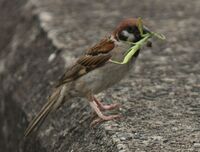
x,y
106,118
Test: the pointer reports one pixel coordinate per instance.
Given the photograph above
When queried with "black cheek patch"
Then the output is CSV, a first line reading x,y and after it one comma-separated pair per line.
x,y
122,37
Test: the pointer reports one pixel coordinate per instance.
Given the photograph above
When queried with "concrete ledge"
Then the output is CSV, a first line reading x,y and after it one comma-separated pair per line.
x,y
160,98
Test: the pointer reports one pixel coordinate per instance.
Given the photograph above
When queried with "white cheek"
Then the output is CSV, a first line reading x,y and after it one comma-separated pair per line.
x,y
130,36
125,33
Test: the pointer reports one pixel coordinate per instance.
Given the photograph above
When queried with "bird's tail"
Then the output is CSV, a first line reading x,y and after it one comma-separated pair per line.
x,y
54,101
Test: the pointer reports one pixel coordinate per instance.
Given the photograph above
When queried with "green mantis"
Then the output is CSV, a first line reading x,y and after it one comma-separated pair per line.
x,y
136,46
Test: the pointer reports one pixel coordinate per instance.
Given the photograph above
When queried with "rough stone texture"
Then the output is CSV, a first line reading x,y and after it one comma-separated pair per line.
x,y
160,99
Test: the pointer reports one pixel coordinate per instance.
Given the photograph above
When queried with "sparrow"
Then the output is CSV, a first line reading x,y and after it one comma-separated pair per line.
x,y
93,72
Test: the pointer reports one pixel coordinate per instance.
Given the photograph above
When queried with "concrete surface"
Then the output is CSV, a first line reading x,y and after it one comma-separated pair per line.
x,y
160,99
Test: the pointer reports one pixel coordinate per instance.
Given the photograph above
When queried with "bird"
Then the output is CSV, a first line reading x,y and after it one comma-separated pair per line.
x,y
93,73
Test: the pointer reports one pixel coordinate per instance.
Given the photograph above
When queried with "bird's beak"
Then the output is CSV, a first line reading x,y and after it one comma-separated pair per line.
x,y
145,31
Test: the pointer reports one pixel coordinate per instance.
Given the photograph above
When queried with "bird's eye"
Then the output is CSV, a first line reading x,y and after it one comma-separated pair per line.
x,y
130,29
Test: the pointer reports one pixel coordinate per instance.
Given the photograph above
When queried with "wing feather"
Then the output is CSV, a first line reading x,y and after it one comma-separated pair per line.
x,y
104,46
94,58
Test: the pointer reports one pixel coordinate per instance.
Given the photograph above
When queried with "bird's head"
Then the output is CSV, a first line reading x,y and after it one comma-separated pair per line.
x,y
127,30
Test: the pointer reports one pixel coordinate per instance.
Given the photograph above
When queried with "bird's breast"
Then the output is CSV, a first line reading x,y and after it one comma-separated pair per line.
x,y
103,77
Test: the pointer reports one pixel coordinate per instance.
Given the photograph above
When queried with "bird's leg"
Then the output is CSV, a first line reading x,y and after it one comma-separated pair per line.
x,y
101,116
104,106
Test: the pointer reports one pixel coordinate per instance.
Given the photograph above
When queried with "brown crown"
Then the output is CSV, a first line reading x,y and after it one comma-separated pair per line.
x,y
125,23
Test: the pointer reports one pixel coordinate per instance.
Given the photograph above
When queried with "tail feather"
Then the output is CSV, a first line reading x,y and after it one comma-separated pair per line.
x,y
54,101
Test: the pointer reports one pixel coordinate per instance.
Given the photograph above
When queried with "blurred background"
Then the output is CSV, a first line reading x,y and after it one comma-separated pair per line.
x,y
160,98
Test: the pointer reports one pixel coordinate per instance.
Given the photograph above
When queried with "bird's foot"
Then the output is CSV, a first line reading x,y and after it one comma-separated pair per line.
x,y
106,118
106,106
101,116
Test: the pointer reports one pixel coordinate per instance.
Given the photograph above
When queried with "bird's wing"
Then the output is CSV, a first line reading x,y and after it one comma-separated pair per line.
x,y
94,58
104,46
